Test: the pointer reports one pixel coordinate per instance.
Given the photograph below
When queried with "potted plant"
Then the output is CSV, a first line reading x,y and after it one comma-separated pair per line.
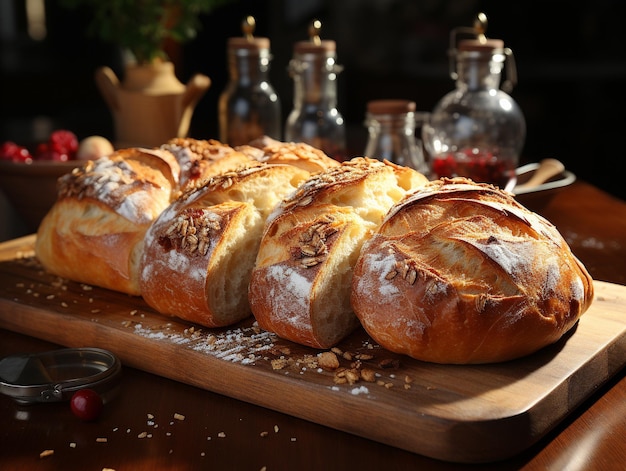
x,y
150,105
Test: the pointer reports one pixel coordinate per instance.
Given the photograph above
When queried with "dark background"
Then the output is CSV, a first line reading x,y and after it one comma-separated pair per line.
x,y
570,60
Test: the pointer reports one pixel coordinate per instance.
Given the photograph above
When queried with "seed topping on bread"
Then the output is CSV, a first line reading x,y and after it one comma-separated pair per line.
x,y
191,231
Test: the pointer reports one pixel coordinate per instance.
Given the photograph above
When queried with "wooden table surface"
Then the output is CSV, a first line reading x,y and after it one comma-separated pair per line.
x,y
156,423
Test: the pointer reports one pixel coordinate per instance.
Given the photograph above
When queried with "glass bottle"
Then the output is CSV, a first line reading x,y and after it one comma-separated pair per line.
x,y
391,133
249,107
315,119
477,130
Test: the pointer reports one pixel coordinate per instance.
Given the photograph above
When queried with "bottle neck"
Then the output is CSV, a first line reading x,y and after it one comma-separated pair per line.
x,y
246,67
315,81
479,72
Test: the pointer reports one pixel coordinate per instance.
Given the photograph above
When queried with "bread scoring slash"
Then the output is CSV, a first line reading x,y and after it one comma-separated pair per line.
x,y
459,272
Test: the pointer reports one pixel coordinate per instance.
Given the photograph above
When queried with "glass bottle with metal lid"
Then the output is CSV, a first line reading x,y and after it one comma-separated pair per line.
x,y
249,107
315,119
477,130
391,133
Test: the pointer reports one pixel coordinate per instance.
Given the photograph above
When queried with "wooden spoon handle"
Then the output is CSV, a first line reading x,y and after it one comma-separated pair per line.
x,y
547,169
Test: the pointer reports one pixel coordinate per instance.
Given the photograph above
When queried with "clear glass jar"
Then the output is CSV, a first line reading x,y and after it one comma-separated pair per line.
x,y
315,119
477,130
391,133
249,107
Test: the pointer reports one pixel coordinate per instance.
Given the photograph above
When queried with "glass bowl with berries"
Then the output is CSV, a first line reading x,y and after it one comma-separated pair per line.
x,y
28,176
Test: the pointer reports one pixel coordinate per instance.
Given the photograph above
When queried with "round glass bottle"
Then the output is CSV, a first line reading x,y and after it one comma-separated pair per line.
x,y
315,119
391,133
249,107
477,130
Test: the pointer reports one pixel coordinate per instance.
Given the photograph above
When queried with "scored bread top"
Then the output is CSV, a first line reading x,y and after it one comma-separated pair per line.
x,y
247,183
300,154
136,183
344,185
202,159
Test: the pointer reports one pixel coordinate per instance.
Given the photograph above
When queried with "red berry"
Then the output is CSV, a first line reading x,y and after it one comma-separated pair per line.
x,y
86,404
15,153
63,143
42,152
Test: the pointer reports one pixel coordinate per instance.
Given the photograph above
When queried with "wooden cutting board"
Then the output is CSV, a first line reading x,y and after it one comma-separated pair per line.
x,y
454,413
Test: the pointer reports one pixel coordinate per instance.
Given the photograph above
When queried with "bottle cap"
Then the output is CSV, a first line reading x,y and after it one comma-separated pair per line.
x,y
390,106
315,44
248,40
481,47
480,42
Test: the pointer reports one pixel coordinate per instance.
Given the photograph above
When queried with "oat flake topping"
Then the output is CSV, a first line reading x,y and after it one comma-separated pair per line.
x,y
312,248
191,231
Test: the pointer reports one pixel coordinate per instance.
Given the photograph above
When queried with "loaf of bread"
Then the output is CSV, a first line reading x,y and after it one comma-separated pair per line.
x,y
461,273
95,230
200,251
300,285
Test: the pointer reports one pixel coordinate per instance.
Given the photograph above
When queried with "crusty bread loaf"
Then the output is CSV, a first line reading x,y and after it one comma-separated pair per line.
x,y
300,154
94,232
300,285
461,273
199,253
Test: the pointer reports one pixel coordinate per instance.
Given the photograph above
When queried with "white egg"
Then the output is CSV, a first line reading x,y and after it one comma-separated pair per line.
x,y
94,147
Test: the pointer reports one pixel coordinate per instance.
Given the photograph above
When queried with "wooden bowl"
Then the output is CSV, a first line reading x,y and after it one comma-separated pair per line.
x,y
31,188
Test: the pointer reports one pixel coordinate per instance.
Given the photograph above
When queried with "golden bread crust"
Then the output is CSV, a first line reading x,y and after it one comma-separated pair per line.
x,y
459,272
101,215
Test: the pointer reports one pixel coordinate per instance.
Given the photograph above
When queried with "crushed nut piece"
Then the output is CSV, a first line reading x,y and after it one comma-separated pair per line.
x,y
353,375
178,416
46,453
328,360
279,363
368,375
